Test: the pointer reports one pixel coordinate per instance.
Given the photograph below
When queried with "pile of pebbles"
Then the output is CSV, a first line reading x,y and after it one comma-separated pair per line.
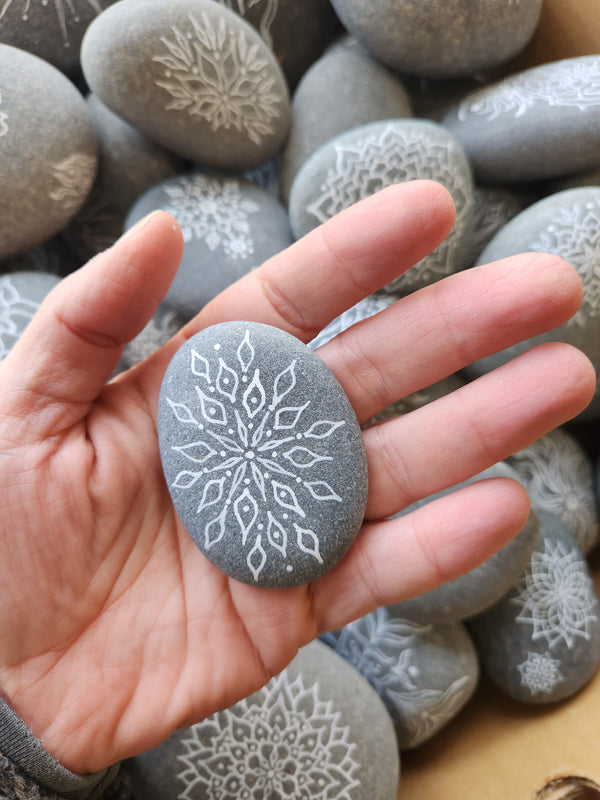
x,y
252,122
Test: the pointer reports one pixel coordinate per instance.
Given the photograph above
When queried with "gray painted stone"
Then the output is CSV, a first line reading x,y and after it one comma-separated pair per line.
x,y
192,76
48,152
364,160
345,88
229,225
425,674
541,642
494,207
262,453
317,730
568,225
473,592
441,39
559,478
20,296
51,30
534,124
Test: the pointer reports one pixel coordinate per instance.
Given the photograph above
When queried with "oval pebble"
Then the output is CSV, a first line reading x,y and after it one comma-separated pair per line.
x,y
191,75
262,453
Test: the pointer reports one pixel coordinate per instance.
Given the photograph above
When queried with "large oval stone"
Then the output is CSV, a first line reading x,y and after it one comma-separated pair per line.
x,y
262,453
191,75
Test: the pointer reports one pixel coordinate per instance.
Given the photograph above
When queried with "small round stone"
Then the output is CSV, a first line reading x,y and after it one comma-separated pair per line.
x,y
271,511
21,294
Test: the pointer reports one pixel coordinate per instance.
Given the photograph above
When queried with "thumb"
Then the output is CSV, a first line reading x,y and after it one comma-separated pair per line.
x,y
75,340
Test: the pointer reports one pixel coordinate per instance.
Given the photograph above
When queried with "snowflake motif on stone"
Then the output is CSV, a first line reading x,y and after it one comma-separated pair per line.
x,y
213,211
540,673
571,85
380,159
251,458
269,12
15,313
3,121
382,649
574,234
220,75
65,10
70,177
362,310
556,596
283,742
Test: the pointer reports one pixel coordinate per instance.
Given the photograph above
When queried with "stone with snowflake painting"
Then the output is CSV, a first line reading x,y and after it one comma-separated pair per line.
x,y
474,591
559,477
20,296
363,160
229,225
494,206
317,730
425,674
262,453
539,123
541,642
343,89
47,167
192,76
566,224
441,39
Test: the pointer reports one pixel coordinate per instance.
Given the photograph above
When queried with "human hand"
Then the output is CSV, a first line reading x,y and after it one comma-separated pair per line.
x,y
115,628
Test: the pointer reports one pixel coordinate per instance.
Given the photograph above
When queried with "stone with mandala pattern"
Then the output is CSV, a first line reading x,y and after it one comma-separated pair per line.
x,y
20,296
47,167
541,642
540,123
229,225
191,75
566,224
262,453
316,731
361,161
494,207
425,674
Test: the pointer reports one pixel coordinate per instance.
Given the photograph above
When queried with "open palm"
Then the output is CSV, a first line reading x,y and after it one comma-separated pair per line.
x,y
115,629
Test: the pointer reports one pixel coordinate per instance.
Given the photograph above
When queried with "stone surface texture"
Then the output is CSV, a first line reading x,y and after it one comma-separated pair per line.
x,y
262,453
20,296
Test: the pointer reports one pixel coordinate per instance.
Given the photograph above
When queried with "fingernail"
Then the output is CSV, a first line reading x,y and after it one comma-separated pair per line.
x,y
140,225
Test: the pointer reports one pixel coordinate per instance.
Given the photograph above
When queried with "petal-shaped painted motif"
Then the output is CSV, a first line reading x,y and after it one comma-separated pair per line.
x,y
254,396
226,442
199,452
286,418
227,381
200,366
276,535
214,530
212,409
245,509
186,479
245,353
321,490
303,457
322,429
211,494
259,481
257,558
182,413
308,542
286,497
283,383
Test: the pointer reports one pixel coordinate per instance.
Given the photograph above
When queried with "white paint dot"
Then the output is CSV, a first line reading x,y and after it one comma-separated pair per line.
x,y
289,568
217,347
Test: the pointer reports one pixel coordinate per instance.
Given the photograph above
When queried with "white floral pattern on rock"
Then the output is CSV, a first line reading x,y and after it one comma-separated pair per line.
x,y
540,673
573,83
214,211
269,12
72,179
65,10
220,75
283,742
15,313
251,465
556,596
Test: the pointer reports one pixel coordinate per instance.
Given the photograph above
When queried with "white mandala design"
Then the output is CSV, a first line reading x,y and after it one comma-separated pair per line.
x,y
383,651
3,121
72,178
540,673
65,10
219,75
556,596
575,85
269,12
574,234
15,313
283,742
253,455
214,211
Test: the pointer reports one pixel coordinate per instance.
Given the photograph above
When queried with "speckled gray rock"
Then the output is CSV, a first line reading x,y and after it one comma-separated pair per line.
x,y
345,88
471,593
280,22
317,730
534,124
52,31
20,296
262,453
559,478
191,75
425,674
364,160
568,225
494,207
440,39
541,642
47,166
229,225
365,308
